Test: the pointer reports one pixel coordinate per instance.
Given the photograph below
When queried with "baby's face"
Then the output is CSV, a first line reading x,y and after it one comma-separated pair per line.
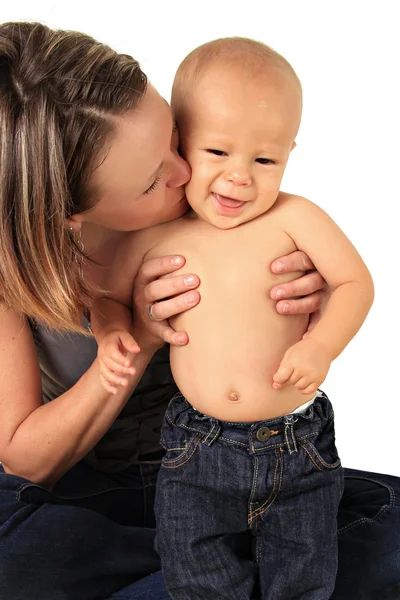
x,y
237,138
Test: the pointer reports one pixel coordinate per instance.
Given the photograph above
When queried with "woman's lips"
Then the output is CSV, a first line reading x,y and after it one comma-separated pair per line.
x,y
228,204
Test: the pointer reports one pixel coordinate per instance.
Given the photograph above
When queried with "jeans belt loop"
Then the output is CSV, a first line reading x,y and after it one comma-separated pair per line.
x,y
289,421
213,434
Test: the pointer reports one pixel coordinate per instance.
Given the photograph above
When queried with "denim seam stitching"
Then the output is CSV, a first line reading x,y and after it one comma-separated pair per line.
x,y
320,459
274,494
253,489
388,487
234,441
270,446
282,444
380,512
171,466
217,430
259,511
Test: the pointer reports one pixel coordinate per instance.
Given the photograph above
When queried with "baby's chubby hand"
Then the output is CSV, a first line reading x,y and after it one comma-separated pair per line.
x,y
113,354
304,365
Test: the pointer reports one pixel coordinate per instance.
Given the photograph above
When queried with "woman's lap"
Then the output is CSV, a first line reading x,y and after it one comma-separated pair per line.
x,y
69,551
369,538
57,549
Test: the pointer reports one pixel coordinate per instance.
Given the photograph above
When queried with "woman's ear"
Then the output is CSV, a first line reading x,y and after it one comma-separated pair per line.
x,y
74,223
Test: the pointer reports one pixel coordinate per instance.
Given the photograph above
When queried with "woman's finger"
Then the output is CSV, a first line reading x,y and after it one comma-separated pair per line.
x,y
171,286
301,306
172,337
303,286
296,261
174,306
156,267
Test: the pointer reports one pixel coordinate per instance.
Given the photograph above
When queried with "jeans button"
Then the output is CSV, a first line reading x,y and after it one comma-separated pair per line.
x,y
263,434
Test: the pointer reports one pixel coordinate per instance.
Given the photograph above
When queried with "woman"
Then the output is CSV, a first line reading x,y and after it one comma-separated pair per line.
x,y
86,155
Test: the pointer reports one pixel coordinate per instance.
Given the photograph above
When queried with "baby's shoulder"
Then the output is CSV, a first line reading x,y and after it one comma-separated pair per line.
x,y
291,202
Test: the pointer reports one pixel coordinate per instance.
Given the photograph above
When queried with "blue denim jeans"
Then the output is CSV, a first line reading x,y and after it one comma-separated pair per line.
x,y
249,510
91,536
91,543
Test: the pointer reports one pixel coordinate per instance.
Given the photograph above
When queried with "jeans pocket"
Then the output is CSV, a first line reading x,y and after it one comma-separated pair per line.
x,y
179,451
322,463
320,448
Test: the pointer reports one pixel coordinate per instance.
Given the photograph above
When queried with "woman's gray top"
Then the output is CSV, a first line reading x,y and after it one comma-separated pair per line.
x,y
135,433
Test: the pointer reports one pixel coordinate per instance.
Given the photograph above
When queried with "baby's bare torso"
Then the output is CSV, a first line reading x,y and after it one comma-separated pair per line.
x,y
236,337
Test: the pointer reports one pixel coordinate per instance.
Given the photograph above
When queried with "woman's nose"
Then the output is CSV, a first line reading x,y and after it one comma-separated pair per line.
x,y
180,172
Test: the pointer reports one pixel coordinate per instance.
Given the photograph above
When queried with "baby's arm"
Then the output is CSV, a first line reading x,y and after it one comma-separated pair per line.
x,y
111,315
306,364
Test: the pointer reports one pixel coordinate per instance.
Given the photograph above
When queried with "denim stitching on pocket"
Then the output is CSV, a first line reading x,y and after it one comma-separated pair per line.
x,y
169,464
380,512
323,465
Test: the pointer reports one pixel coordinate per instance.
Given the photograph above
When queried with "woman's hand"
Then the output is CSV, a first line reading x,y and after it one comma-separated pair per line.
x,y
156,300
306,295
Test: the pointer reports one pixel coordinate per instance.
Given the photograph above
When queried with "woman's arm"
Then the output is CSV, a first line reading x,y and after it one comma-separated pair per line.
x,y
42,441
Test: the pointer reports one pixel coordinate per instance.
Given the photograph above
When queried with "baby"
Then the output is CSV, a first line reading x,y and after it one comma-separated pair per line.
x,y
250,484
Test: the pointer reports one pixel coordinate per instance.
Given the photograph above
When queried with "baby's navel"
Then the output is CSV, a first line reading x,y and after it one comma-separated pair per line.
x,y
233,396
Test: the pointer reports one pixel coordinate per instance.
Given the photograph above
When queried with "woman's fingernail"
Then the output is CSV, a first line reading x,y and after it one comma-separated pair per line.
x,y
191,298
280,293
280,266
189,280
286,308
181,338
176,260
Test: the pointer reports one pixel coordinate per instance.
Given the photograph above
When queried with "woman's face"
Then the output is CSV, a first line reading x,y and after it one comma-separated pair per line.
x,y
140,177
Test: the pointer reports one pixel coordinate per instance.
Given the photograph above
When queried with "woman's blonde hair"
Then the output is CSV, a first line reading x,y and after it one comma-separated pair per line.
x,y
58,93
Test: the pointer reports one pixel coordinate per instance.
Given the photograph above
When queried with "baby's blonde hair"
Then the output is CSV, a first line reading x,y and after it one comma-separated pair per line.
x,y
252,57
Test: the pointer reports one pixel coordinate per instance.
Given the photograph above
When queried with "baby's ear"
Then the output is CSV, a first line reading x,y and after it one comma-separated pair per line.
x,y
293,146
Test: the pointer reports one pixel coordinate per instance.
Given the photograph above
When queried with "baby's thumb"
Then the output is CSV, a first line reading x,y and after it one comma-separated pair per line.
x,y
129,343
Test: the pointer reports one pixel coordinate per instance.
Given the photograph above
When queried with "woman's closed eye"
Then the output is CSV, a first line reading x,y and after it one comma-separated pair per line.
x,y
153,186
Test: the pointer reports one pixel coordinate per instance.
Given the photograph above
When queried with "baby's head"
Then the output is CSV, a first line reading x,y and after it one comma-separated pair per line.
x,y
238,106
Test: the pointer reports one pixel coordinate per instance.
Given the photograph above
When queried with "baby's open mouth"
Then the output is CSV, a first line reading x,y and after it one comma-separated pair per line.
x,y
226,202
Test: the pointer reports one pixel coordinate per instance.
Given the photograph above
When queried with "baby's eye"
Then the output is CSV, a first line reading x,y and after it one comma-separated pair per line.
x,y
216,152
265,161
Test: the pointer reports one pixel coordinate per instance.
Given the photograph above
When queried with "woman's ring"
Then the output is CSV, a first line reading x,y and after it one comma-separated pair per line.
x,y
151,315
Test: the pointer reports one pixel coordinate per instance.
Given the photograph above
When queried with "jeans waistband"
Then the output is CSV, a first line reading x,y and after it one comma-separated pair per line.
x,y
256,436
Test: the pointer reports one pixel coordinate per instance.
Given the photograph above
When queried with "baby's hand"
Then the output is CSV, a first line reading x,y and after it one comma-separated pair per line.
x,y
305,365
114,360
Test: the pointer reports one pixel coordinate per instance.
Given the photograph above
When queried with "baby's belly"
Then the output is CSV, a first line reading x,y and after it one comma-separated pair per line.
x,y
235,346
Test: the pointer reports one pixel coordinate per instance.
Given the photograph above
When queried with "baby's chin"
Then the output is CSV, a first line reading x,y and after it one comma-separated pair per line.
x,y
218,221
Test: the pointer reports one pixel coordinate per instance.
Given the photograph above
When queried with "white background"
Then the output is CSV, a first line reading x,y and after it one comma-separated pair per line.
x,y
347,55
